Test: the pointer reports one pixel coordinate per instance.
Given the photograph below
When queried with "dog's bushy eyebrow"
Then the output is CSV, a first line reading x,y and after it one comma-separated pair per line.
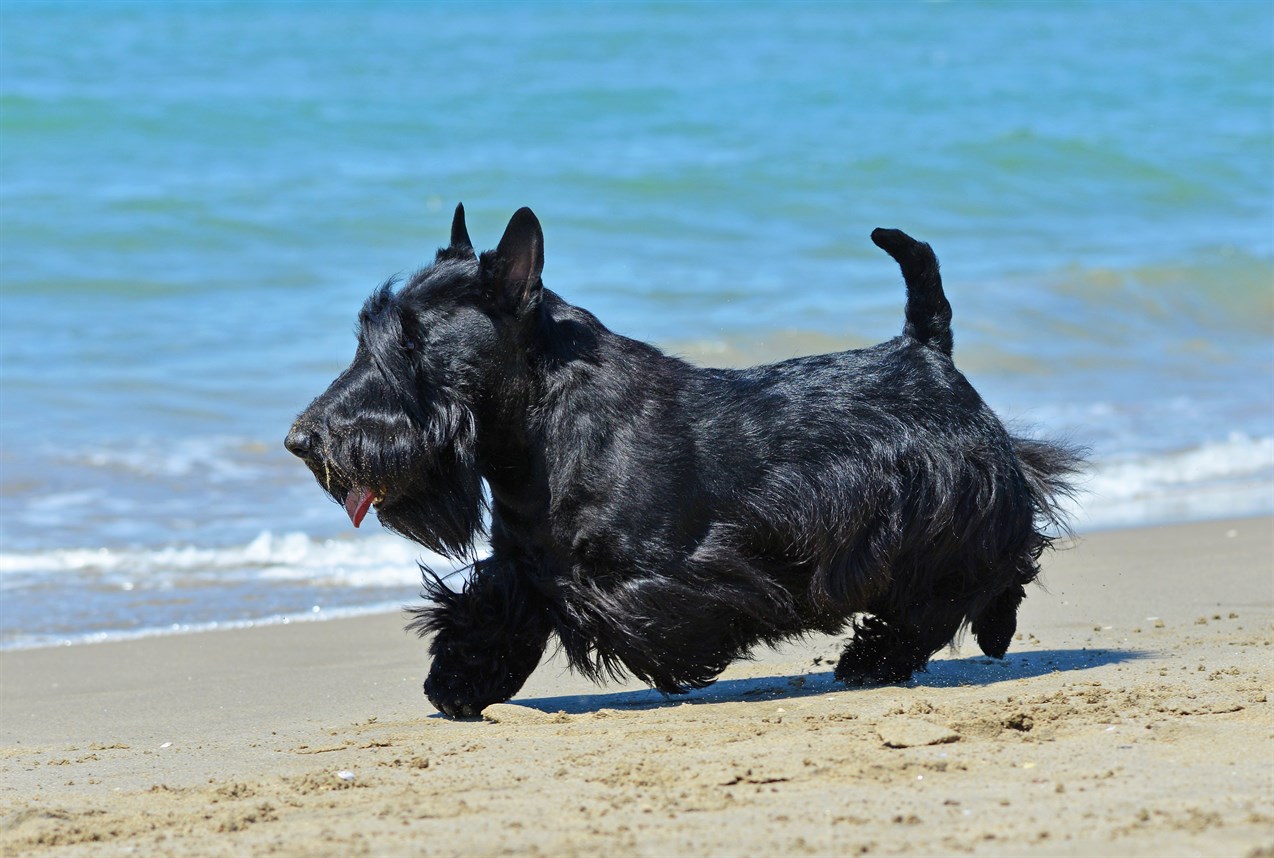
x,y
383,330
382,299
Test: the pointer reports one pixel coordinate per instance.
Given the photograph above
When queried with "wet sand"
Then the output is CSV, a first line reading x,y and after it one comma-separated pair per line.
x,y
1131,717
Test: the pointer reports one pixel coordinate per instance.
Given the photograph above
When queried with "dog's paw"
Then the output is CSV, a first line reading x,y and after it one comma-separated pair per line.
x,y
867,677
457,696
870,660
462,688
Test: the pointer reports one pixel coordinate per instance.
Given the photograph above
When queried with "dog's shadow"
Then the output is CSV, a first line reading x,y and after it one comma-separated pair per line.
x,y
948,673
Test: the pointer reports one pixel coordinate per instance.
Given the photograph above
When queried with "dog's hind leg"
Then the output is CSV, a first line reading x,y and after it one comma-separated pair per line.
x,y
887,650
995,622
880,653
993,628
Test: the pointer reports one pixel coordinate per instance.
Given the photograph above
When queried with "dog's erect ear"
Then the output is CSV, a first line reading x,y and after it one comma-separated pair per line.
x,y
511,272
461,247
459,232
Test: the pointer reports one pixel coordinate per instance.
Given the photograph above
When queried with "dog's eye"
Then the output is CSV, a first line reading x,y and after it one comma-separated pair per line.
x,y
409,345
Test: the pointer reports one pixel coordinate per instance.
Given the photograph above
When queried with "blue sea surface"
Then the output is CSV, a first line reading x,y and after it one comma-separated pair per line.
x,y
195,198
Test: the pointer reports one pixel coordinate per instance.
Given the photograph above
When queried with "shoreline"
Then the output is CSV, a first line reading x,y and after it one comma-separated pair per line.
x,y
1130,717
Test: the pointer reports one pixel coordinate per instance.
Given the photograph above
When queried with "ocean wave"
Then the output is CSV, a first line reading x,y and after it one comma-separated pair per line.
x,y
215,458
1238,457
289,576
1229,477
375,561
1233,477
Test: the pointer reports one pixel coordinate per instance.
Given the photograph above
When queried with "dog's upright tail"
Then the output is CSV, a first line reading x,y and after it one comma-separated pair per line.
x,y
928,312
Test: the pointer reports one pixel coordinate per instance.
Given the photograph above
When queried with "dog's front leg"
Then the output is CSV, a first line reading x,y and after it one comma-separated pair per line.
x,y
486,639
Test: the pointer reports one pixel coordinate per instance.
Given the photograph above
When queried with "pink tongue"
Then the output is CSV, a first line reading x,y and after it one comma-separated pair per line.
x,y
357,503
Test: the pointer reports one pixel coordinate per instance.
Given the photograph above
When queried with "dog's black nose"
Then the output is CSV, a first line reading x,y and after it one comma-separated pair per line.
x,y
300,441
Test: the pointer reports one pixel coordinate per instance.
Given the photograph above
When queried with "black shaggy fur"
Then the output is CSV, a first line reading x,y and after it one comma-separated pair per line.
x,y
662,519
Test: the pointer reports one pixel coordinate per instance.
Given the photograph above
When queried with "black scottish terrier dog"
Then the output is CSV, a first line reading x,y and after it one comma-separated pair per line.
x,y
663,519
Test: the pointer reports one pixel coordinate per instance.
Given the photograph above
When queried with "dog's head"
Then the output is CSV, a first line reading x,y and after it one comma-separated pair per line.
x,y
398,429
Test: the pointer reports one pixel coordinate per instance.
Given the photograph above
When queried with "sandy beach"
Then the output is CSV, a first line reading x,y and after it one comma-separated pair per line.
x,y
1130,718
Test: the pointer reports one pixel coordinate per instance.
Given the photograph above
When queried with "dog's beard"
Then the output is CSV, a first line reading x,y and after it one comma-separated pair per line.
x,y
443,511
423,484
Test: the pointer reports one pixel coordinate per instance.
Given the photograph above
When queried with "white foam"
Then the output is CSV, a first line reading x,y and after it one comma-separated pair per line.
x,y
375,561
1230,477
1236,458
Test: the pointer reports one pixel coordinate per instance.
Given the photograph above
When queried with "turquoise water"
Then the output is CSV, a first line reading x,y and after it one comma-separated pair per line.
x,y
195,199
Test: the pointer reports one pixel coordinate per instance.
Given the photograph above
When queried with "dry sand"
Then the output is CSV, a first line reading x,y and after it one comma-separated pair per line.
x,y
1105,732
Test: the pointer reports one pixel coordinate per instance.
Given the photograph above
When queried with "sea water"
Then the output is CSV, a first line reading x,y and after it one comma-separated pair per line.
x,y
196,198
